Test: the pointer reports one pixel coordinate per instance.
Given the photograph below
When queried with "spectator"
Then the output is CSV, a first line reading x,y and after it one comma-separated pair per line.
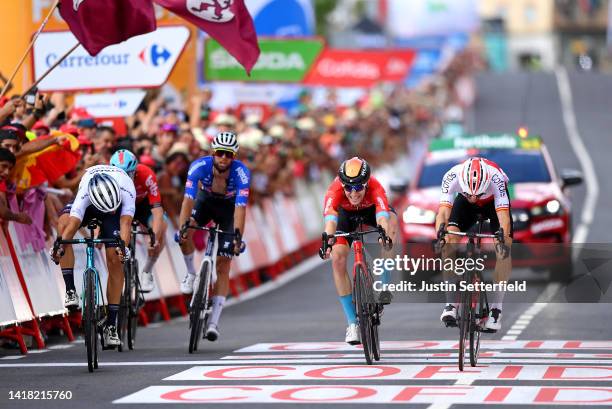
x,y
7,162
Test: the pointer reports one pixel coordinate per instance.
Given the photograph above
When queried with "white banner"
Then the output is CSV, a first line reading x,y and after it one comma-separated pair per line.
x,y
45,294
141,62
110,104
416,18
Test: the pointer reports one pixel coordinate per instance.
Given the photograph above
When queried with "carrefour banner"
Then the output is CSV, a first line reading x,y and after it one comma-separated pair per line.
x,y
281,60
416,18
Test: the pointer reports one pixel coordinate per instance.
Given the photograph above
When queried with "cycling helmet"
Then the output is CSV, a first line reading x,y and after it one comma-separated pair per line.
x,y
104,192
354,171
225,141
126,160
475,176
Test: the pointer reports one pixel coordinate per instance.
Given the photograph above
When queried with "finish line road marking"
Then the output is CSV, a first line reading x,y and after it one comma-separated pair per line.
x,y
431,394
427,345
258,363
558,356
512,372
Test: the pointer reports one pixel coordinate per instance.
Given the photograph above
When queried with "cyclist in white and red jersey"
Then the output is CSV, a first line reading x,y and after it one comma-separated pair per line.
x,y
149,211
476,187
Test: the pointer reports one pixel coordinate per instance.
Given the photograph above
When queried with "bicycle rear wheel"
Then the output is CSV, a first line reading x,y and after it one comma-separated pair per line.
x,y
89,319
363,314
464,326
197,310
133,306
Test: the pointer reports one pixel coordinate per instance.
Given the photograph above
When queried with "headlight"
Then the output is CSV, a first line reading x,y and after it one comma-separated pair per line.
x,y
519,215
553,206
414,214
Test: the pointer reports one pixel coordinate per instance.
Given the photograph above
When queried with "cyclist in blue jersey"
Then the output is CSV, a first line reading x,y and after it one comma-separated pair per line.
x,y
217,189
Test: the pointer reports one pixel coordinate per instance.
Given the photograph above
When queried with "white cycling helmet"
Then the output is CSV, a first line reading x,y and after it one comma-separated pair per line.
x,y
475,177
104,192
225,141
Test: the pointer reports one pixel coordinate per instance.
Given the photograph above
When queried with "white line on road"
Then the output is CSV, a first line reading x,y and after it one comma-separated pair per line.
x,y
280,281
359,361
525,318
592,184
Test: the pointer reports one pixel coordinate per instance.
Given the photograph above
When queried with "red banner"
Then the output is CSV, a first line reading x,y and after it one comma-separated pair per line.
x,y
347,68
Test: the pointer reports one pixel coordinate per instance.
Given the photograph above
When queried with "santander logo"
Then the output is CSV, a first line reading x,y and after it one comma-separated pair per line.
x,y
362,69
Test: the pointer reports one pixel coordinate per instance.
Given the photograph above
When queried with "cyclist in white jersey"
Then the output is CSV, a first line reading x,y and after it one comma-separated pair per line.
x,y
105,193
476,187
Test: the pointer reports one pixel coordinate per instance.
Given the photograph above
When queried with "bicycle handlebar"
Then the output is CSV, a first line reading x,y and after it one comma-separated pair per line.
x,y
59,242
500,245
149,232
325,239
237,235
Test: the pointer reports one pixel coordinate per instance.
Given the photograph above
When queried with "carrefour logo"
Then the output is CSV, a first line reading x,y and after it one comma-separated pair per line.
x,y
79,61
154,55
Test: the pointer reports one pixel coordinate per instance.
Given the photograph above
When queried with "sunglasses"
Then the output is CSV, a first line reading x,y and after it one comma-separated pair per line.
x,y
354,188
224,154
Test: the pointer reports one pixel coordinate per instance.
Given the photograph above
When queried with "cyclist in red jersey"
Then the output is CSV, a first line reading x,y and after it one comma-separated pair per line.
x,y
354,193
149,211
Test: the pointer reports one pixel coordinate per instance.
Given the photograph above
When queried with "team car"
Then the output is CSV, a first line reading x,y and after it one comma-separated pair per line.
x,y
539,196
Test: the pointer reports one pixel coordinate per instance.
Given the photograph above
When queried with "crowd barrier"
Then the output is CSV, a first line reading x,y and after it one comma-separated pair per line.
x,y
279,233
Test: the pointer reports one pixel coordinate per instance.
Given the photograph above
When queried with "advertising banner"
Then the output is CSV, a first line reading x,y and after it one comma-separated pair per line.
x,y
281,60
430,17
141,62
348,68
110,104
282,18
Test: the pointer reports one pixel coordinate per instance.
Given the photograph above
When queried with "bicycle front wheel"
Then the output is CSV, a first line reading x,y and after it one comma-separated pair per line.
x,y
363,313
464,326
89,319
197,311
134,305
475,329
124,306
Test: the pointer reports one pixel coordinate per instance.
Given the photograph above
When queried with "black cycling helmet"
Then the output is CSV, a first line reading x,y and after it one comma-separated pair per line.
x,y
354,171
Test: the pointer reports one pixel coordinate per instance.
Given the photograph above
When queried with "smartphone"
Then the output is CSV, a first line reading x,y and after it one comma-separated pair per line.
x,y
30,99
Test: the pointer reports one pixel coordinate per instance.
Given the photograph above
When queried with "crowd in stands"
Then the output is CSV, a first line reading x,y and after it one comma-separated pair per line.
x,y
284,146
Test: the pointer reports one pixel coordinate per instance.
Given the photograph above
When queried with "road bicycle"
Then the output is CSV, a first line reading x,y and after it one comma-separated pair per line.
x,y
200,305
369,311
94,304
473,304
132,299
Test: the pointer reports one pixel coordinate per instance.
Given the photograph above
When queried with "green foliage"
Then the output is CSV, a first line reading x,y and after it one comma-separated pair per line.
x,y
322,10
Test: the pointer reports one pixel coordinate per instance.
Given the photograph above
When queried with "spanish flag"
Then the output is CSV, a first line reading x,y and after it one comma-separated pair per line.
x,y
47,165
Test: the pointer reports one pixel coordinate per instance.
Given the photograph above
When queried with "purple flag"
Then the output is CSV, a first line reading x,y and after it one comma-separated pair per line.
x,y
98,24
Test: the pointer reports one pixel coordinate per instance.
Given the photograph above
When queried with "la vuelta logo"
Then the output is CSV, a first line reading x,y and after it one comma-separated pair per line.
x,y
215,11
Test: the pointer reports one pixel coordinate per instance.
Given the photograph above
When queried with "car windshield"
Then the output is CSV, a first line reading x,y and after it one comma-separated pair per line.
x,y
521,166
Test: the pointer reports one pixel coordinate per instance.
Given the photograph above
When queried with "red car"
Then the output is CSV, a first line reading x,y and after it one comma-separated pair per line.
x,y
541,208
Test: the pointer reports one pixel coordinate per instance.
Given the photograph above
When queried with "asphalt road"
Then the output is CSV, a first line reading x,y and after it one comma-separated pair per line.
x,y
286,345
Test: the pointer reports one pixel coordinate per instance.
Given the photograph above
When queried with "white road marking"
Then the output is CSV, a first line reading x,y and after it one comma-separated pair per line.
x,y
12,357
525,318
592,184
286,277
353,394
384,362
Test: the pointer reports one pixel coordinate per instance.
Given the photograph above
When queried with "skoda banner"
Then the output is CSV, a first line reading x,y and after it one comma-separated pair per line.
x,y
141,62
281,60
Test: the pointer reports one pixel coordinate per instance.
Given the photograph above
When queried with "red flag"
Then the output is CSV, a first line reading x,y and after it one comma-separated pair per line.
x,y
98,24
227,21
